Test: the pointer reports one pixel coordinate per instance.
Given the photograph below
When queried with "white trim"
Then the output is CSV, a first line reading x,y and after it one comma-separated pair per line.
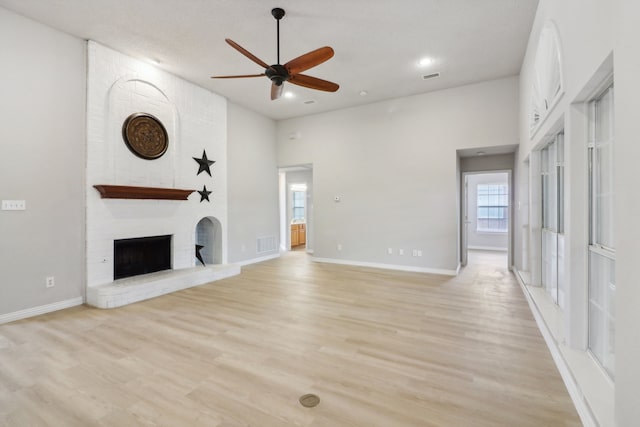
x,y
488,248
388,266
584,412
458,268
257,260
43,309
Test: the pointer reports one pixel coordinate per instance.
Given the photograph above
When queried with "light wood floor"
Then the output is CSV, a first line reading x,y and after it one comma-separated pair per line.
x,y
380,348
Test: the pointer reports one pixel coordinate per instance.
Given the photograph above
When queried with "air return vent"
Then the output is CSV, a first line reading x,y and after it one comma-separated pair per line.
x,y
430,76
266,244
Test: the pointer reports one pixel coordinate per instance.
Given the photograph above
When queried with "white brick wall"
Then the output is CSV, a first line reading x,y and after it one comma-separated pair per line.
x,y
195,120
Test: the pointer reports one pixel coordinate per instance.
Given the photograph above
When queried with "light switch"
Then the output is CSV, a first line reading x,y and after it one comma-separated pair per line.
x,y
14,205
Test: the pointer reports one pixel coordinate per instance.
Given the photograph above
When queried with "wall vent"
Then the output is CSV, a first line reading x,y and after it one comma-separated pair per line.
x,y
266,244
430,76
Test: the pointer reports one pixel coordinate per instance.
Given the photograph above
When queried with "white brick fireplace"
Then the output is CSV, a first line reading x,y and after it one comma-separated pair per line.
x,y
195,121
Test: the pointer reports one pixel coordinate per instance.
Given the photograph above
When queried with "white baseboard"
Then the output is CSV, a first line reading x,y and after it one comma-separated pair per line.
x,y
257,260
387,266
43,309
584,412
488,248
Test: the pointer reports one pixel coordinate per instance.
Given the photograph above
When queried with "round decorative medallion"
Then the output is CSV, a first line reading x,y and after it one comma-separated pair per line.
x,y
145,136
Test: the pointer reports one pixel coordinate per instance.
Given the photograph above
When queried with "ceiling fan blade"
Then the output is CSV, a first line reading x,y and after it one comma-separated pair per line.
x,y
246,53
276,91
242,76
313,83
309,60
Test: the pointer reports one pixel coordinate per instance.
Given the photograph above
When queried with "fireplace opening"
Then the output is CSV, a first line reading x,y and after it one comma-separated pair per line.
x,y
142,255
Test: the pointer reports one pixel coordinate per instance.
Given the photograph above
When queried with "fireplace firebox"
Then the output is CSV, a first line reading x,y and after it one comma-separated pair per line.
x,y
142,255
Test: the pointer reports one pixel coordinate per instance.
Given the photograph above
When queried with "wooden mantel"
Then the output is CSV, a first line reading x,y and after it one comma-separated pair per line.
x,y
128,192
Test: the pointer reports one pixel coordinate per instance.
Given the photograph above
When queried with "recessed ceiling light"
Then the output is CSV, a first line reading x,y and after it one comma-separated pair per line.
x,y
155,61
480,153
364,93
289,95
425,62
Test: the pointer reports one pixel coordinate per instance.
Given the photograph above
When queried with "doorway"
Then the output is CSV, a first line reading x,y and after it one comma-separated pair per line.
x,y
296,208
486,218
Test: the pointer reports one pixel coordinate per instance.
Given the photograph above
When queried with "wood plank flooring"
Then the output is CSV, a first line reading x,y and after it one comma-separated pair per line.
x,y
379,348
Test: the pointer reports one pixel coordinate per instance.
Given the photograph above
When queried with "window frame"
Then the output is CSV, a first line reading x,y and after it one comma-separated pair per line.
x,y
503,192
295,206
599,251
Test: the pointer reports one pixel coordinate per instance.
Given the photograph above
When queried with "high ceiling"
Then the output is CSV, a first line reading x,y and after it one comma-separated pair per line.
x,y
377,43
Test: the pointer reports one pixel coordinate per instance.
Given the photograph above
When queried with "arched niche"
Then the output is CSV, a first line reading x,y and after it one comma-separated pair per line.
x,y
209,236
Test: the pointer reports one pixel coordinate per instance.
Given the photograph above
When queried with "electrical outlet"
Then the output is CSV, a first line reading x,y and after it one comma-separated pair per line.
x,y
50,282
339,246
390,251
419,252
415,252
400,251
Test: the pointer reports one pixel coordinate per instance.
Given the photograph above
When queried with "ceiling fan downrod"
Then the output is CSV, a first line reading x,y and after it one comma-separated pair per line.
x,y
278,13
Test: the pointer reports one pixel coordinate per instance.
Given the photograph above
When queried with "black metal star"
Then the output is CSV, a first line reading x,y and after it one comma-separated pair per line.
x,y
204,194
204,163
198,254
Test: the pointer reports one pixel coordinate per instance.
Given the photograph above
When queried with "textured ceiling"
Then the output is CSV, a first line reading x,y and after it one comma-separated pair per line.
x,y
377,43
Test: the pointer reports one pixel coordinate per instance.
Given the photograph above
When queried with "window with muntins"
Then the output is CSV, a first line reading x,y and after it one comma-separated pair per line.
x,y
298,204
602,284
493,208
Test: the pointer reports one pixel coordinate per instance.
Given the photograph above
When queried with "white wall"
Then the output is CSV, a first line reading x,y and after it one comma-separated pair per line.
x,y
195,120
393,164
592,32
478,239
253,182
42,159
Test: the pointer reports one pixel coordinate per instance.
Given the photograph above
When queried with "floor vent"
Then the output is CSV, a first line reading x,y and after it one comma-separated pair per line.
x,y
309,400
266,244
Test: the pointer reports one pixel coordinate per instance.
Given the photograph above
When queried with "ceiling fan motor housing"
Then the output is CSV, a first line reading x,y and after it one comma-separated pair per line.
x,y
277,74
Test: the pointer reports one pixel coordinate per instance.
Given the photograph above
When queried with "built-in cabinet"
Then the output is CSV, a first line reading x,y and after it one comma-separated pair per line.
x,y
298,234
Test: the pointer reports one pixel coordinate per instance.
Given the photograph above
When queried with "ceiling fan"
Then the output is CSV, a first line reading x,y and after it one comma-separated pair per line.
x,y
289,72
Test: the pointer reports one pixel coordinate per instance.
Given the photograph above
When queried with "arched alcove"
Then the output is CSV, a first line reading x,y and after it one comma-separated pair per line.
x,y
209,236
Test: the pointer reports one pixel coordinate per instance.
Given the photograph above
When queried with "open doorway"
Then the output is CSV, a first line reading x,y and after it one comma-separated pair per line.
x,y
486,221
296,208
